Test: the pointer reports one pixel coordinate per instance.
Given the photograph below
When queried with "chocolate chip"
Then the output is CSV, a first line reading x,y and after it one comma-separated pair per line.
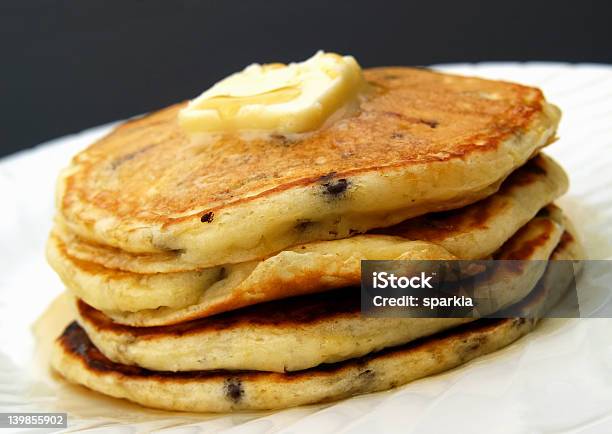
x,y
233,389
332,186
337,187
207,217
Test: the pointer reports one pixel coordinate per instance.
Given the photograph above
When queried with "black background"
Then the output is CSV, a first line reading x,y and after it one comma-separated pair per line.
x,y
75,64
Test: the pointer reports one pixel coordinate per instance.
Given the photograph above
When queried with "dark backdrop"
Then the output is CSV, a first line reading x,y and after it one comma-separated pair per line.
x,y
69,65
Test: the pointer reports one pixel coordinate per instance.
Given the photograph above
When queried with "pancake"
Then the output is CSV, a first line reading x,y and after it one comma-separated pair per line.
x,y
77,359
420,142
527,189
217,300
471,232
308,268
309,330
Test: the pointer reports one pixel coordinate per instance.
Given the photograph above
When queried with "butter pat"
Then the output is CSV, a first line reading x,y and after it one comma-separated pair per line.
x,y
276,98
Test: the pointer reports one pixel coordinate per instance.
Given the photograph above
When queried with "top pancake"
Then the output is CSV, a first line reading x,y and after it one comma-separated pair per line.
x,y
421,141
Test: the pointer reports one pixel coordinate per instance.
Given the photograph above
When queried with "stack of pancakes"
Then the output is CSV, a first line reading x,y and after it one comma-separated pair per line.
x,y
223,275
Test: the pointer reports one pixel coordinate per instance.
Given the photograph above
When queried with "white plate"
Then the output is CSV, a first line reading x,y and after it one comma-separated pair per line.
x,y
557,379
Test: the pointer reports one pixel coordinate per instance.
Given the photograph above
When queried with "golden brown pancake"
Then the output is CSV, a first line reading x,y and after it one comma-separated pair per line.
x,y
77,359
422,141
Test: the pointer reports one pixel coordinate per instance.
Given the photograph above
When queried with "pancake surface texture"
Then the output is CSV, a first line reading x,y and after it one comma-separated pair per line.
x,y
472,232
77,359
420,142
309,330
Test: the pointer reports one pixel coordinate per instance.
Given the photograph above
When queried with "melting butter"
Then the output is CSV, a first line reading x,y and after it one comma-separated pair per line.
x,y
276,98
